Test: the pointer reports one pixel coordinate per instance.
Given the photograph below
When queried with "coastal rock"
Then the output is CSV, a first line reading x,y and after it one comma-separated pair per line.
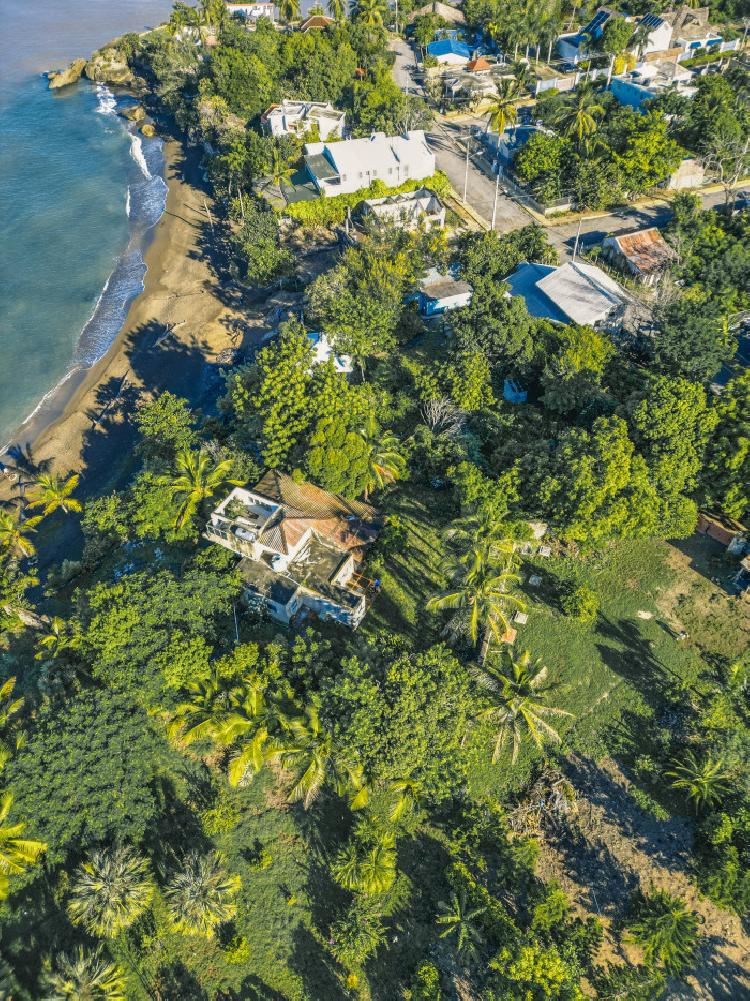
x,y
135,114
148,130
109,65
63,78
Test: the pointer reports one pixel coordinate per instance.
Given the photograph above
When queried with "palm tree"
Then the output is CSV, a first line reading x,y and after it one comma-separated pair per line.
x,y
213,13
182,16
110,892
198,482
367,870
578,117
258,721
385,462
280,169
201,897
336,9
704,779
484,533
289,10
407,793
85,976
14,534
9,706
53,492
309,748
14,583
209,705
58,638
515,688
459,920
370,12
16,853
482,596
665,929
504,111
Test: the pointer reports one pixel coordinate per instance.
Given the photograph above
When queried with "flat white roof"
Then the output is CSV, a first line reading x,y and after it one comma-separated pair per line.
x,y
378,152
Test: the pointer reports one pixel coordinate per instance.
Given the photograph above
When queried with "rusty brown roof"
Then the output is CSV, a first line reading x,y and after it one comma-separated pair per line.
x,y
647,249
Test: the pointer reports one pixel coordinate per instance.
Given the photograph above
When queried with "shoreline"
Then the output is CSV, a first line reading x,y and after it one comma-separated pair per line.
x,y
174,328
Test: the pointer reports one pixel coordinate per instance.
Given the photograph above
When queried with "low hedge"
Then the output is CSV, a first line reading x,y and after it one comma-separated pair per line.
x,y
328,212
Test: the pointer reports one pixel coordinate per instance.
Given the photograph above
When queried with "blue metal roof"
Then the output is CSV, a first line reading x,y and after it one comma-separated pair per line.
x,y
523,282
449,46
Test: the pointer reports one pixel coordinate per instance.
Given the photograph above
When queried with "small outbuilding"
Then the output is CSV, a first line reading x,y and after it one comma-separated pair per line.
x,y
439,293
644,254
449,52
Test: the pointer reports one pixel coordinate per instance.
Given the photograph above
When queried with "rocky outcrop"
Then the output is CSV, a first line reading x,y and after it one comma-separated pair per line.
x,y
63,78
109,65
136,113
148,130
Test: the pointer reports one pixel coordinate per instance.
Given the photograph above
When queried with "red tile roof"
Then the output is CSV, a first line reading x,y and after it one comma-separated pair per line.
x,y
478,65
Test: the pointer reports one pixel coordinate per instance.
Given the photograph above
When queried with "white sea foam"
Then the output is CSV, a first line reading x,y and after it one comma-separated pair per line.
x,y
127,202
136,151
107,101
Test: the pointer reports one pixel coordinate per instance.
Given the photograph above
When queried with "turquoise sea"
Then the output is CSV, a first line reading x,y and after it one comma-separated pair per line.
x,y
79,192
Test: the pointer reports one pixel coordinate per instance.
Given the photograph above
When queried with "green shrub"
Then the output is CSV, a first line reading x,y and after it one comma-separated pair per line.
x,y
425,985
580,603
329,212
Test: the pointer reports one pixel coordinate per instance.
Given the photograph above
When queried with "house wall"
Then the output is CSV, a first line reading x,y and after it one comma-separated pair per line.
x,y
567,51
436,307
658,40
632,95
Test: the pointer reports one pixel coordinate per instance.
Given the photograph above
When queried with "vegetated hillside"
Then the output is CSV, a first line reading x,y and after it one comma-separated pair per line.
x,y
199,802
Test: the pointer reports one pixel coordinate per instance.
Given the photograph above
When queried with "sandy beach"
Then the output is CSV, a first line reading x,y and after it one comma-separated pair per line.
x,y
172,338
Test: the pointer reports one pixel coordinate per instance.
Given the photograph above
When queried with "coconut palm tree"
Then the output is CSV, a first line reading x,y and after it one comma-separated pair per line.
x,y
198,481
503,111
370,12
460,920
16,853
308,748
84,976
481,531
337,9
14,534
579,116
53,492
407,794
482,596
207,708
201,897
385,462
665,929
280,169
9,706
704,780
182,16
369,868
110,891
14,583
258,721
289,10
58,637
212,13
515,688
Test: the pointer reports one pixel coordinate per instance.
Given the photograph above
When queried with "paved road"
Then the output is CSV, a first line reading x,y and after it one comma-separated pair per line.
x,y
448,142
405,66
593,231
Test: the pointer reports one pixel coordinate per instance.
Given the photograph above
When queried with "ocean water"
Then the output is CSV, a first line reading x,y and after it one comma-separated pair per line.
x,y
79,192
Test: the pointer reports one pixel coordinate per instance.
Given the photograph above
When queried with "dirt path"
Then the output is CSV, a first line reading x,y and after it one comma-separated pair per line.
x,y
612,848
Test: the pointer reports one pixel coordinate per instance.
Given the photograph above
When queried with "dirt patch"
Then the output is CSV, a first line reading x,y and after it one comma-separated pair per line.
x,y
610,848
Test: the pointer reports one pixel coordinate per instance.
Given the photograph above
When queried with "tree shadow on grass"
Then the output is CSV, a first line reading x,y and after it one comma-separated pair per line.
x,y
255,989
629,655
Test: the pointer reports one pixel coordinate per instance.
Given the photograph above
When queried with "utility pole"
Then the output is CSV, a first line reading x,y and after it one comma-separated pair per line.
x,y
466,172
497,191
578,236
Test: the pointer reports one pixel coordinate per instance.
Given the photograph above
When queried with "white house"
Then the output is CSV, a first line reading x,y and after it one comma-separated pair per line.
x,y
409,209
647,80
659,36
344,167
323,352
298,117
571,293
300,548
440,293
252,11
